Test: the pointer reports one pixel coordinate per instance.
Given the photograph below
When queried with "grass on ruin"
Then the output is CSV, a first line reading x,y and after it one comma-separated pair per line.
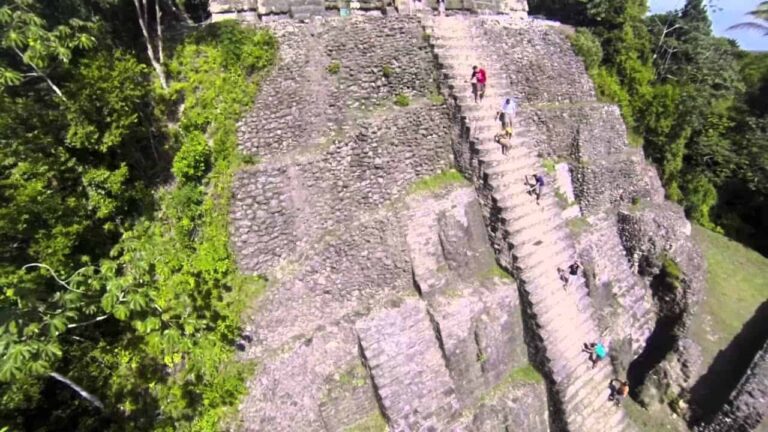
x,y
578,225
435,97
495,271
549,166
373,423
659,420
522,375
334,67
437,182
354,377
737,283
402,100
387,71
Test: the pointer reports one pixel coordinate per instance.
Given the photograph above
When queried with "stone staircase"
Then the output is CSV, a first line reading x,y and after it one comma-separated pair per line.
x,y
408,369
602,246
531,240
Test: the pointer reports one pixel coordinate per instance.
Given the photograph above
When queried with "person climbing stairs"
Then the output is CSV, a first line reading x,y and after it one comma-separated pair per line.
x,y
537,237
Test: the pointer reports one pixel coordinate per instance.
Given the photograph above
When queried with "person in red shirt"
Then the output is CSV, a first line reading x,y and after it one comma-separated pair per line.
x,y
481,83
478,82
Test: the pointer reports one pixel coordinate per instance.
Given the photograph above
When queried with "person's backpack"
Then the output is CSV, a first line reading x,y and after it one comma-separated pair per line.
x,y
623,389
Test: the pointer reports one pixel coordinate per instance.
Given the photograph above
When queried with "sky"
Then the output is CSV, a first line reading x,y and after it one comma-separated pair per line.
x,y
727,13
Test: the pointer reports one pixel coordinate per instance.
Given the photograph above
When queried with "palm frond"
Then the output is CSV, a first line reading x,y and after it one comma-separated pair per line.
x,y
750,26
761,12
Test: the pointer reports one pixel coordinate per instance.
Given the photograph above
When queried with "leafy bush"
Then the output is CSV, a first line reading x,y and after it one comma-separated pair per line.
x,y
334,67
193,160
700,197
402,100
609,89
587,46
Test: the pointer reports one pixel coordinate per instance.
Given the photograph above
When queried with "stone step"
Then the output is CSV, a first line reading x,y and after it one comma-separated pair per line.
x,y
518,214
510,168
407,366
593,391
547,254
586,390
490,153
562,259
525,234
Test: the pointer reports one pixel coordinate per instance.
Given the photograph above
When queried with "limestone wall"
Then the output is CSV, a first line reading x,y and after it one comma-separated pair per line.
x,y
326,213
303,9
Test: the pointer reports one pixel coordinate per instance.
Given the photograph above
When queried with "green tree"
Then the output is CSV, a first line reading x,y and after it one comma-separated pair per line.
x,y
37,48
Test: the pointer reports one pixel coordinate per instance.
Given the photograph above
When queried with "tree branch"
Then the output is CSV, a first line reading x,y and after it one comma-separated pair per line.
x,y
141,13
85,394
64,283
95,320
41,75
158,16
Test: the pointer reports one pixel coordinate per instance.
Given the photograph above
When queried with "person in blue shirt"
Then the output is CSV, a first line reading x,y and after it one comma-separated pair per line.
x,y
535,187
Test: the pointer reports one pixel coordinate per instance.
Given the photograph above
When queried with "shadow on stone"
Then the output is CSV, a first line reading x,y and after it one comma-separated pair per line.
x,y
667,294
713,389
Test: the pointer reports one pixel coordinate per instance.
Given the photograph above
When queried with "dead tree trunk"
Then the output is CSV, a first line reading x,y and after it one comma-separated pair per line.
x,y
154,41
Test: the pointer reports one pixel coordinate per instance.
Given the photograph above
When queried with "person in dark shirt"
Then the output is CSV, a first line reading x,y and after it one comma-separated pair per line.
x,y
473,81
619,390
535,187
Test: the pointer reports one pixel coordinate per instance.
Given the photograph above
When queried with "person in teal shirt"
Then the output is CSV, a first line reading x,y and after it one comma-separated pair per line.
x,y
597,351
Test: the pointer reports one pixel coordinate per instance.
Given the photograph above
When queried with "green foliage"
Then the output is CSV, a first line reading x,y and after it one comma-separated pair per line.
x,y
193,160
692,100
549,166
437,182
426,37
35,45
150,328
587,46
402,100
609,89
700,197
334,67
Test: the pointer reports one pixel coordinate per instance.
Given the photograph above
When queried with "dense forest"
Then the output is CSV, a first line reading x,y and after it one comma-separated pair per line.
x,y
695,102
120,300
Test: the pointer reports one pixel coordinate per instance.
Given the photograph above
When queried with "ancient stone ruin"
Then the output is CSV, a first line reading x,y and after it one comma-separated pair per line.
x,y
398,303
265,10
